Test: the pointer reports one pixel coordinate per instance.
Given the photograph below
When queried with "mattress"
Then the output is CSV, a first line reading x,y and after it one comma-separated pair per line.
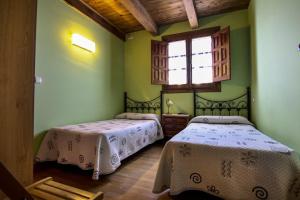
x,y
229,159
98,145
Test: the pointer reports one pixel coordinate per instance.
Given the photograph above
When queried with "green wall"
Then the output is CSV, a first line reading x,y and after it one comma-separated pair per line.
x,y
78,86
275,35
138,69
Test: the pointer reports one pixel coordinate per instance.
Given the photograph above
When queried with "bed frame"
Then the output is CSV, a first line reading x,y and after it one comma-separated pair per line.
x,y
236,106
202,106
152,106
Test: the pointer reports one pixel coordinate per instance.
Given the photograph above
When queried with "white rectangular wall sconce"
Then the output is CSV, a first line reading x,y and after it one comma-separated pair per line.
x,y
83,42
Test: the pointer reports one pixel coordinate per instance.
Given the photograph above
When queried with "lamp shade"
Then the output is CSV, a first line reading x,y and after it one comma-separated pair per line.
x,y
169,102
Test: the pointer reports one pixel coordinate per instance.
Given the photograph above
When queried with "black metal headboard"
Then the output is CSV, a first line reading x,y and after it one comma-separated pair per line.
x,y
236,106
152,106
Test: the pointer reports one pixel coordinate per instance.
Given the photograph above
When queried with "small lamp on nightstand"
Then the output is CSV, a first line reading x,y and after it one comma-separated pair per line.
x,y
169,103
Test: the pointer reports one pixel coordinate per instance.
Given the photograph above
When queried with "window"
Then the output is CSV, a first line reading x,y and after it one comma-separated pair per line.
x,y
196,60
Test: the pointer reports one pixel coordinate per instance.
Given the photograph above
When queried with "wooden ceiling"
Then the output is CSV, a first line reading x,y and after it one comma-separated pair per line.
x,y
127,16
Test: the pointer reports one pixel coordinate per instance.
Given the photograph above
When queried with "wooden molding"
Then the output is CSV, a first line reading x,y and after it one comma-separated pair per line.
x,y
191,12
93,14
141,14
11,186
191,34
206,87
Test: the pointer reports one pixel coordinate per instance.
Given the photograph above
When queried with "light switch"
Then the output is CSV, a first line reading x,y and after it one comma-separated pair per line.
x,y
38,80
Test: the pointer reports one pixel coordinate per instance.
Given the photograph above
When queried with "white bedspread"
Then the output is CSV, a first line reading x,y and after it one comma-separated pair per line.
x,y
99,145
232,161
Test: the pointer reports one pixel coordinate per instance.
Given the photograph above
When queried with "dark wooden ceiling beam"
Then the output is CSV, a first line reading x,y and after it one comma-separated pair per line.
x,y
191,12
141,14
90,12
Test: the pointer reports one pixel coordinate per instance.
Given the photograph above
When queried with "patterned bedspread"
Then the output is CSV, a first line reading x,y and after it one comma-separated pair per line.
x,y
99,145
232,161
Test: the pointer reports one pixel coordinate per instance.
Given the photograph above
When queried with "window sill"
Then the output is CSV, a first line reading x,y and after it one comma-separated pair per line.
x,y
209,87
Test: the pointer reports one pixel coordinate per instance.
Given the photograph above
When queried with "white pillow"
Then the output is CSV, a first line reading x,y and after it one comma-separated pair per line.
x,y
122,115
130,115
221,120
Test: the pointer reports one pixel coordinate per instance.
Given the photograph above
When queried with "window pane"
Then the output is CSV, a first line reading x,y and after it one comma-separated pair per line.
x,y
177,63
177,77
177,48
202,44
202,75
201,60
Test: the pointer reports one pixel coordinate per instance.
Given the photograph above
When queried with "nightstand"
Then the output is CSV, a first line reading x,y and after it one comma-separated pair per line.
x,y
174,123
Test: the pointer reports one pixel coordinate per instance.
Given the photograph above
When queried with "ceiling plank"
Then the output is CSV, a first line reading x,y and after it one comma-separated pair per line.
x,y
90,12
191,13
141,14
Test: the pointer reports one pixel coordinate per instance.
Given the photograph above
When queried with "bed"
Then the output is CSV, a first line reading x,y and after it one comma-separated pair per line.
x,y
226,156
102,145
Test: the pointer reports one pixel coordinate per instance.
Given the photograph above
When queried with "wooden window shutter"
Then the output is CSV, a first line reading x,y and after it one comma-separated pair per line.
x,y
159,62
221,55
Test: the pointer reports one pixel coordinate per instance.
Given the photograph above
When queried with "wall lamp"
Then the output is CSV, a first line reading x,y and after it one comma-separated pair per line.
x,y
83,42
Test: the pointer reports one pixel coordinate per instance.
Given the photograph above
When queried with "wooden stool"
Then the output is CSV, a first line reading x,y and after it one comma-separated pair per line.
x,y
47,189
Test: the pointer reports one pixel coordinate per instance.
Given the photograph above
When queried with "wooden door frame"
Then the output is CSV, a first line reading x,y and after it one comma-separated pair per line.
x,y
17,69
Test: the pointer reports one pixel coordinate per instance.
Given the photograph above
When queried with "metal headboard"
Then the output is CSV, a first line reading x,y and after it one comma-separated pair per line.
x,y
236,106
152,106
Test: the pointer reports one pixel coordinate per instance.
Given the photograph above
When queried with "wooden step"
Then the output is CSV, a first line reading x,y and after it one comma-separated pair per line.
x,y
47,189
